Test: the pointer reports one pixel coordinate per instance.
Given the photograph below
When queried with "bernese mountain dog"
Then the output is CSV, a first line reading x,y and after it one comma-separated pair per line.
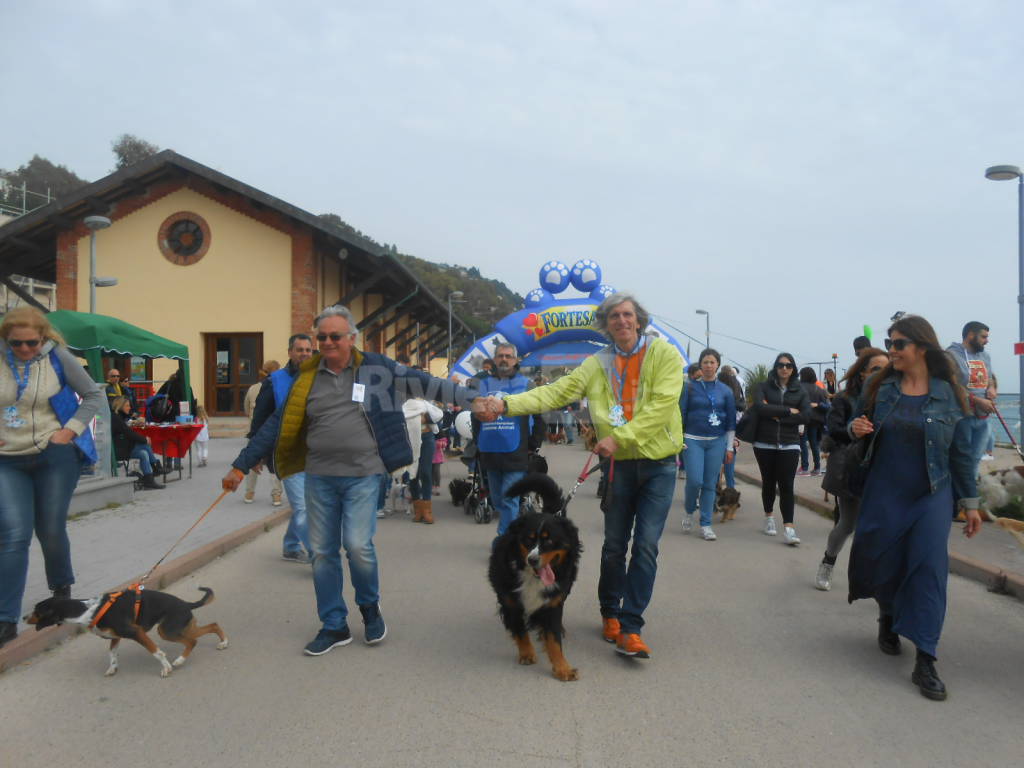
x,y
532,570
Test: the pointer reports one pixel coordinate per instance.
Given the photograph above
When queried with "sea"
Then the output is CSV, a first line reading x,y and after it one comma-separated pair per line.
x,y
1009,407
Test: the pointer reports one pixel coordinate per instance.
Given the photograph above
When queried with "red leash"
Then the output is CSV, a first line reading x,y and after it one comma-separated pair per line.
x,y
587,472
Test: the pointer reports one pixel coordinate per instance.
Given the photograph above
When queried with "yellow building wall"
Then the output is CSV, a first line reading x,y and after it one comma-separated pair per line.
x,y
242,284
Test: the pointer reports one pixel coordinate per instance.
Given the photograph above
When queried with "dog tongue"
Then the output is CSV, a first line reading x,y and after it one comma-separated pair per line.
x,y
547,576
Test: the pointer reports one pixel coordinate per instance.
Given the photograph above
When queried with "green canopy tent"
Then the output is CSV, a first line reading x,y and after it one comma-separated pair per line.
x,y
93,336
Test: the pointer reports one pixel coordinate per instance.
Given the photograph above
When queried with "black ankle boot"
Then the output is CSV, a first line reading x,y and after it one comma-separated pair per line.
x,y
927,679
888,640
62,592
8,631
149,483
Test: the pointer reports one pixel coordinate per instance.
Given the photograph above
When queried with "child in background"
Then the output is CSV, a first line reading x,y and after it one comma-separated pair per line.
x,y
203,438
439,448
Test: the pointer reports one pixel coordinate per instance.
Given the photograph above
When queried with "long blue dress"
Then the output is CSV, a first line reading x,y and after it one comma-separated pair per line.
x,y
900,548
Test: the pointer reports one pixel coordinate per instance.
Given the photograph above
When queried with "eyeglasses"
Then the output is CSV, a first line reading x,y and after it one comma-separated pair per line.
x,y
331,336
30,343
784,365
898,344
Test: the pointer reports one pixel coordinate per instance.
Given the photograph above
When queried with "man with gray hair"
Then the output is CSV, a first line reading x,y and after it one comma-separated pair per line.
x,y
342,424
632,387
504,445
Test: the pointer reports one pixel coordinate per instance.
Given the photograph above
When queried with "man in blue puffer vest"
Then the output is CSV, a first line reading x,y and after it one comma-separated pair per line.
x,y
273,392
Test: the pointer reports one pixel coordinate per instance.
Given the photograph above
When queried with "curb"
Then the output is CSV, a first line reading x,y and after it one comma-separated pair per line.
x,y
995,579
30,644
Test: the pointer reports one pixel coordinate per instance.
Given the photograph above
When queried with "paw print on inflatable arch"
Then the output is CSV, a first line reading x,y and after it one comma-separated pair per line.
x,y
554,276
602,292
538,297
586,275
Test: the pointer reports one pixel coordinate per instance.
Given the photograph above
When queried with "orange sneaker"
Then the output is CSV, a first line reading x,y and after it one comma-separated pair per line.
x,y
631,644
610,630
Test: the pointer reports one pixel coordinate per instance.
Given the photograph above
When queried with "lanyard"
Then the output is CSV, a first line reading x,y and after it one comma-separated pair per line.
x,y
710,397
615,368
22,381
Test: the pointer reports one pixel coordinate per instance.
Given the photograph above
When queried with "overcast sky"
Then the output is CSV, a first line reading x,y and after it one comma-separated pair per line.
x,y
798,169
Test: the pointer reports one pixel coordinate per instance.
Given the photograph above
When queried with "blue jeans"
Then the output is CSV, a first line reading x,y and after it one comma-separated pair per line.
x,y
704,460
296,537
145,456
35,491
812,435
641,498
730,474
342,513
497,484
979,438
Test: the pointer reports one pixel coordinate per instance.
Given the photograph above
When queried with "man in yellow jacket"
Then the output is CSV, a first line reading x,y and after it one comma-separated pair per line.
x,y
633,387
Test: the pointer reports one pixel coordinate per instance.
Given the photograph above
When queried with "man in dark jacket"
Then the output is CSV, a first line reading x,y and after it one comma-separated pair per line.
x,y
504,445
342,424
273,392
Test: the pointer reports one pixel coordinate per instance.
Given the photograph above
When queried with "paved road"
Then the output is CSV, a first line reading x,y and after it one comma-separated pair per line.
x,y
752,666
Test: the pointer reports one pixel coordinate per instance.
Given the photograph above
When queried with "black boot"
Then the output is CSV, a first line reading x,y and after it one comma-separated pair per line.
x,y
62,592
158,468
8,631
927,679
150,484
888,640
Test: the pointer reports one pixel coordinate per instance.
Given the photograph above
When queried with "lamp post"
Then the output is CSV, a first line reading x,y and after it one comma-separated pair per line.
x,y
707,327
1008,173
94,223
457,295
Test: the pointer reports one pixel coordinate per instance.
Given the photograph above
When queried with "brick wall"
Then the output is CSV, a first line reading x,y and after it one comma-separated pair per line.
x,y
304,281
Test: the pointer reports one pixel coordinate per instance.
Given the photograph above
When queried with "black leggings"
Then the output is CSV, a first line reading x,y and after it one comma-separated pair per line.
x,y
778,468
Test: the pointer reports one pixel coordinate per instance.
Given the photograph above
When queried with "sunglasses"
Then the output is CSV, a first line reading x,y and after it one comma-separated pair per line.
x,y
331,336
30,343
784,365
898,344
114,376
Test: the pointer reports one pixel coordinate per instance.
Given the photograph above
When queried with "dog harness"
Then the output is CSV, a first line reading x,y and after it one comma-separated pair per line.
x,y
134,588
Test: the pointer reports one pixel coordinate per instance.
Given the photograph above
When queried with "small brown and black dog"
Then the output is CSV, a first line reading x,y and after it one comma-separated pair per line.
x,y
589,436
131,618
727,501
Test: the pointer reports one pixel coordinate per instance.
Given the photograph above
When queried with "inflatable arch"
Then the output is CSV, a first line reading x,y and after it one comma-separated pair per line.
x,y
551,331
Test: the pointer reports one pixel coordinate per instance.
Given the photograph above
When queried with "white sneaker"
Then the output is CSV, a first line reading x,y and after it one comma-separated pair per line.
x,y
789,536
823,580
769,526
687,523
707,533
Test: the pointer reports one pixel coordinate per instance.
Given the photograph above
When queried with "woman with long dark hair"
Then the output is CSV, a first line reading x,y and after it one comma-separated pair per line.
x,y
727,375
921,467
871,361
812,430
781,406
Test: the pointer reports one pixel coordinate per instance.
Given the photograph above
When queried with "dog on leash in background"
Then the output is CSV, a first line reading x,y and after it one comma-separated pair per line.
x,y
532,569
130,616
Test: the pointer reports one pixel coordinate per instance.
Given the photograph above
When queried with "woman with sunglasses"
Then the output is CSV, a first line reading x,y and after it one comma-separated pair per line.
x,y
39,465
869,362
921,466
781,405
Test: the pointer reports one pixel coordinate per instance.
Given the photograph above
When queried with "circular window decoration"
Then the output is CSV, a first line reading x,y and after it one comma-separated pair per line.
x,y
184,238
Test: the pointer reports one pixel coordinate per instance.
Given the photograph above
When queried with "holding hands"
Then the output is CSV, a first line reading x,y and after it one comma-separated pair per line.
x,y
488,408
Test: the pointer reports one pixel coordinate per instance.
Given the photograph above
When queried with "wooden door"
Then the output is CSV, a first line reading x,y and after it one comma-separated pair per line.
x,y
233,361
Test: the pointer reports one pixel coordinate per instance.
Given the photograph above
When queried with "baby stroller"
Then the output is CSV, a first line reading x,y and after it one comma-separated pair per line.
x,y
472,493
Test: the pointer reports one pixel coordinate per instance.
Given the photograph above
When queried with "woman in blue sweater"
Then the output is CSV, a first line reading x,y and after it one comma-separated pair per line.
x,y
709,424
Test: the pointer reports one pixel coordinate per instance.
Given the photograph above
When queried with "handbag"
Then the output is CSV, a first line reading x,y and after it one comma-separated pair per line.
x,y
746,427
857,458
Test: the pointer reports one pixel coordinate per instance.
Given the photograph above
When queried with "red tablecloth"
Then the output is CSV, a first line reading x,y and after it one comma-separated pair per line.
x,y
170,440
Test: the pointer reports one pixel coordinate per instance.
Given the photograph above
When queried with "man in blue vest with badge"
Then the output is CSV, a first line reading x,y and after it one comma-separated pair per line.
x,y
273,392
505,444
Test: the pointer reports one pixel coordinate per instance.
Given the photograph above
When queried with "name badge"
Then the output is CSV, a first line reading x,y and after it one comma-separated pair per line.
x,y
616,416
11,418
713,419
358,392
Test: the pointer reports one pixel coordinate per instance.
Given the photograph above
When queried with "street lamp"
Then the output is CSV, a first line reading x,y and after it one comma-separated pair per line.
x,y
707,327
457,295
1008,173
94,223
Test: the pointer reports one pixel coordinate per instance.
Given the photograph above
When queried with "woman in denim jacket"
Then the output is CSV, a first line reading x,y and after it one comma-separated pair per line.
x,y
921,467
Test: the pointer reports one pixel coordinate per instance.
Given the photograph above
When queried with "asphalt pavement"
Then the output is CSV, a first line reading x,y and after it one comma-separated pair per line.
x,y
751,665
